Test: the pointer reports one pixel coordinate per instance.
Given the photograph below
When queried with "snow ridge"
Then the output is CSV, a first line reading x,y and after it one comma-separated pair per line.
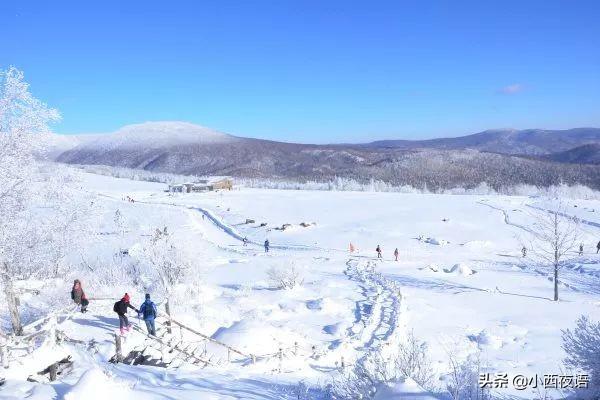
x,y
157,134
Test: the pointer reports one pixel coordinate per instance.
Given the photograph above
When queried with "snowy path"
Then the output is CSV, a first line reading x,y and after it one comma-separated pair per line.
x,y
378,313
226,228
507,220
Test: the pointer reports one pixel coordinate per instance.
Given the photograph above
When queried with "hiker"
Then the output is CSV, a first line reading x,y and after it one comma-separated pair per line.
x,y
597,247
148,312
581,249
524,251
267,246
120,308
396,253
78,295
378,250
351,248
245,241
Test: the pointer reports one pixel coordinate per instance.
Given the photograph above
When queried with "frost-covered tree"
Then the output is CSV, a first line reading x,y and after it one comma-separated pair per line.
x,y
582,347
37,221
119,222
553,235
167,265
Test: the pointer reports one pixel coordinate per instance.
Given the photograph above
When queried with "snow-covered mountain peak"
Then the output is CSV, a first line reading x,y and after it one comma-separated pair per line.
x,y
158,134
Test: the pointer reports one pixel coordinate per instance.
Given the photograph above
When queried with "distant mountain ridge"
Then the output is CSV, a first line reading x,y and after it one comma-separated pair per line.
x,y
184,148
504,141
586,154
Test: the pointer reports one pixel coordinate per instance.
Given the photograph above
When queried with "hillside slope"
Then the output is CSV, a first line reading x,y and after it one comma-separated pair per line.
x,y
505,141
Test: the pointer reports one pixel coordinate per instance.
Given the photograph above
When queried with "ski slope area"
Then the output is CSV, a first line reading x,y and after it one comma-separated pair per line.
x,y
460,284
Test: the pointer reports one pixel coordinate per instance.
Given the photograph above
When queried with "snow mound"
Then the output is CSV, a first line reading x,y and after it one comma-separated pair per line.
x,y
315,304
326,305
484,338
437,242
461,269
96,385
406,389
335,329
255,337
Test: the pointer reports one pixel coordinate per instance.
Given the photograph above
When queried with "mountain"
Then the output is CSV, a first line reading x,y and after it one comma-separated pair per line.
x,y
183,148
505,141
586,154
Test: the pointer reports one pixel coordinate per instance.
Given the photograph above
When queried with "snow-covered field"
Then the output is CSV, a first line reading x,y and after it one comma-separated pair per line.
x,y
460,285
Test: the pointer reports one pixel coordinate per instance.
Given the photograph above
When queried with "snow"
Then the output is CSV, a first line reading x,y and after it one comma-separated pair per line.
x,y
463,287
156,134
404,390
96,385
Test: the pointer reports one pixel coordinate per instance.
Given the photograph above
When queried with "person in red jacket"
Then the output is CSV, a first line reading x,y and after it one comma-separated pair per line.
x,y
78,296
120,308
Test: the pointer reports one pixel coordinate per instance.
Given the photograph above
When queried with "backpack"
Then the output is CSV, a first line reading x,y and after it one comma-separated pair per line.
x,y
116,307
149,310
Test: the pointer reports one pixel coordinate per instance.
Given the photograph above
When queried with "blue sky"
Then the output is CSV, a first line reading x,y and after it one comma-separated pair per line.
x,y
311,71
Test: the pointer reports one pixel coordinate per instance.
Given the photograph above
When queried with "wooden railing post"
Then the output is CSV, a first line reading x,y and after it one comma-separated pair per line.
x,y
4,355
280,356
118,348
53,371
168,311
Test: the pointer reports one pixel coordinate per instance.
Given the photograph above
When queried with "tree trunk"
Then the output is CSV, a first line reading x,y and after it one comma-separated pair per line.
x,y
168,311
12,301
555,282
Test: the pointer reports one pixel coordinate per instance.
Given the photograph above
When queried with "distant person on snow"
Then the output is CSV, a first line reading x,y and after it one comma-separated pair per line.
x,y
524,251
120,308
396,254
597,247
378,250
267,246
78,295
245,241
581,249
351,248
148,312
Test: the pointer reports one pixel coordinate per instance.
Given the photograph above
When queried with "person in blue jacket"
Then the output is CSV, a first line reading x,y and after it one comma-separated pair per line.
x,y
148,312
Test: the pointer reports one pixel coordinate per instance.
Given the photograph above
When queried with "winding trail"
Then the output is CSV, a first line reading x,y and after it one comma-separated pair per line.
x,y
228,229
378,313
507,220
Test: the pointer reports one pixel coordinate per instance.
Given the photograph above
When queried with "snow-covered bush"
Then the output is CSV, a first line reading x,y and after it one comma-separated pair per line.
x,y
386,366
464,379
161,262
285,277
361,382
412,361
582,346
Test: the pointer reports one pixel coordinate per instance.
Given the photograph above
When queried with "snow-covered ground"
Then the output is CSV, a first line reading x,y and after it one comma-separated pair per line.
x,y
461,285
